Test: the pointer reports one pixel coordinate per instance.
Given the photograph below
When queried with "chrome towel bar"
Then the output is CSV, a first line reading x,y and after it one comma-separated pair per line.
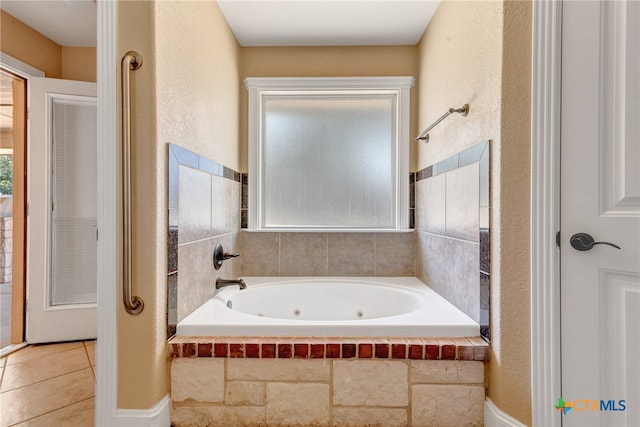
x,y
130,61
424,136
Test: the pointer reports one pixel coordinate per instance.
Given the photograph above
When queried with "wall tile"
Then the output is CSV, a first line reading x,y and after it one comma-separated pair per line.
x,y
195,277
463,284
370,383
351,254
297,404
447,372
395,254
369,417
440,405
225,202
260,254
246,393
303,254
462,203
277,370
432,261
433,204
227,416
194,204
199,379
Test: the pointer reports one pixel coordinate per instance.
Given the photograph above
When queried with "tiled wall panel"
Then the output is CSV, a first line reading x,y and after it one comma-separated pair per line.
x,y
204,200
452,227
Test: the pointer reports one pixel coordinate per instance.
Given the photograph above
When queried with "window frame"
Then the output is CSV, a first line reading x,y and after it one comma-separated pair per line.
x,y
261,88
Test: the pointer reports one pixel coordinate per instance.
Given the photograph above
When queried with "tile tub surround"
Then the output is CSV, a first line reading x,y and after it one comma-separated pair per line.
x,y
452,228
203,201
332,382
327,254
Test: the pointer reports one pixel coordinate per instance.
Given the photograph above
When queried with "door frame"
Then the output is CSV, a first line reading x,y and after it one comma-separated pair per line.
x,y
546,79
24,71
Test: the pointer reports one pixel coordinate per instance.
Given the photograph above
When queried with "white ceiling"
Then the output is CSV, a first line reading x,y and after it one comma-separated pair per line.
x,y
258,22
328,22
66,22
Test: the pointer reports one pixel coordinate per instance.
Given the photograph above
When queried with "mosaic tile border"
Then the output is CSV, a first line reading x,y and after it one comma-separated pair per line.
x,y
469,348
176,157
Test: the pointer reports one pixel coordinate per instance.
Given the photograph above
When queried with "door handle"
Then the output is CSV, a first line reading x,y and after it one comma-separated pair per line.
x,y
585,242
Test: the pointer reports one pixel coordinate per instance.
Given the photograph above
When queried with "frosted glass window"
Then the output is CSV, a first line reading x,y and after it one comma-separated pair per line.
x,y
74,216
328,153
329,162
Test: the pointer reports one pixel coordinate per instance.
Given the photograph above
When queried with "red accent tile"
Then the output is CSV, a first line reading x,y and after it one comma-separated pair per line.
x,y
399,351
188,349
220,349
301,351
481,349
252,350
333,351
382,351
432,350
174,350
317,351
268,351
348,351
285,350
236,350
465,349
415,351
204,349
447,349
365,351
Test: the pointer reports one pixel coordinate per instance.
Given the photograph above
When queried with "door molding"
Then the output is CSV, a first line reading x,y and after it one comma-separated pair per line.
x,y
545,211
18,67
106,347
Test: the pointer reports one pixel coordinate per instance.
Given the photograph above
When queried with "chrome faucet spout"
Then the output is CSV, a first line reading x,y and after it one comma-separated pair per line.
x,y
221,283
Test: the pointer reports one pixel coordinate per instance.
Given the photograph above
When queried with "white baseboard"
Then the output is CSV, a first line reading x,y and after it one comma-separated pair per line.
x,y
494,417
156,416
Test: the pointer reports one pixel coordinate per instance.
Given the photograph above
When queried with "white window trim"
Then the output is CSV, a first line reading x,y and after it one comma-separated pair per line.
x,y
264,86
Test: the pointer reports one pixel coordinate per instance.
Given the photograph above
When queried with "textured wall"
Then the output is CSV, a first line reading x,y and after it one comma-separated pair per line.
x,y
480,52
186,93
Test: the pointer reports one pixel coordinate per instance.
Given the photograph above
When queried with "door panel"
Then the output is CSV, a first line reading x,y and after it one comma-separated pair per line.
x,y
61,242
600,192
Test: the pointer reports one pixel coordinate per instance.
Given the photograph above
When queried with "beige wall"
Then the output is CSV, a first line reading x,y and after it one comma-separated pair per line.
x,y
186,93
478,52
24,43
59,62
509,373
79,63
326,62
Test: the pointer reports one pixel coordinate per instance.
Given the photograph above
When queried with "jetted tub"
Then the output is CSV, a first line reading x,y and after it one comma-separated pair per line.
x,y
328,307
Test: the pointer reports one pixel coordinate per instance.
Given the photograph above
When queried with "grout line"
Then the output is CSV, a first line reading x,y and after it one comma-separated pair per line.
x,y
4,365
50,378
54,410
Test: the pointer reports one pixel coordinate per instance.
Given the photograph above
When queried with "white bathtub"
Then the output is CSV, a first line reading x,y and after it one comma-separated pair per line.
x,y
328,307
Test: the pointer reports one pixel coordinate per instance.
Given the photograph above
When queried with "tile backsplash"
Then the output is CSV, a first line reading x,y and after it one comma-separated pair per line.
x,y
452,227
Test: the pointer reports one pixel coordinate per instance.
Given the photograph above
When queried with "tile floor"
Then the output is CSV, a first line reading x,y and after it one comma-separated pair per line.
x,y
48,385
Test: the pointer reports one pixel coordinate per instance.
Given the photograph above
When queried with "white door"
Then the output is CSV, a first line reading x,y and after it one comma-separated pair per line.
x,y
61,223
600,287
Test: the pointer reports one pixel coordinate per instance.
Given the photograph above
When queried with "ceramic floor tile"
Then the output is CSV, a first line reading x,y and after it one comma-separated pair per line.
x,y
79,414
35,370
39,350
28,402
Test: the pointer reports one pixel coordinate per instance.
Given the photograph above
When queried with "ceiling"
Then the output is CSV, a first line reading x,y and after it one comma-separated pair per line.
x,y
328,22
66,22
258,22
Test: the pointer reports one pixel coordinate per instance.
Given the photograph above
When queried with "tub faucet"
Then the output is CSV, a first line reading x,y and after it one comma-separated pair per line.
x,y
221,283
